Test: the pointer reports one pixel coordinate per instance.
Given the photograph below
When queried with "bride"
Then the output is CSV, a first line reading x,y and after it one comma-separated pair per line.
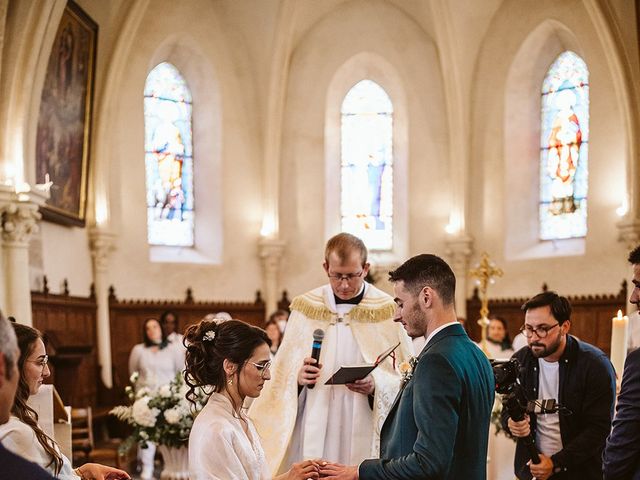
x,y
231,360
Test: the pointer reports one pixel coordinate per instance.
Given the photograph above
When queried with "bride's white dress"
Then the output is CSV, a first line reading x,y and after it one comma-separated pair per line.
x,y
220,449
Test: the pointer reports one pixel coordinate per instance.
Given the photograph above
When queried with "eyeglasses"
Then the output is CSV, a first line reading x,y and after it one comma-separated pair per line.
x,y
262,367
336,277
542,331
41,362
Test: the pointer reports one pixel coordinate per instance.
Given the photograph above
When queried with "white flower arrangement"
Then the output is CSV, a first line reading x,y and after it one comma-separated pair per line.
x,y
162,415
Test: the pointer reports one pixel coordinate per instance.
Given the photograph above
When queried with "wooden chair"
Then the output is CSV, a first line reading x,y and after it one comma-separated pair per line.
x,y
85,449
81,434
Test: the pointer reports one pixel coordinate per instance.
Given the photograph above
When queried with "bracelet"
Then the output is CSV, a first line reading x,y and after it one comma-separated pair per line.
x,y
79,473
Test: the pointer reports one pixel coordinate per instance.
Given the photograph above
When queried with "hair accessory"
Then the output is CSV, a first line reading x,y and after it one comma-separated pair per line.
x,y
209,336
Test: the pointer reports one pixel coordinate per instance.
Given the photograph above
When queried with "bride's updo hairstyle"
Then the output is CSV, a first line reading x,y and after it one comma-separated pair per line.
x,y
208,343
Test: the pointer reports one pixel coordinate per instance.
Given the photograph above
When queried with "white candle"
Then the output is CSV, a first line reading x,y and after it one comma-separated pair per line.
x,y
619,339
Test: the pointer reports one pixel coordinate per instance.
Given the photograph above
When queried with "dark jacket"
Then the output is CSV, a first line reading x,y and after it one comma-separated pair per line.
x,y
13,467
622,454
586,389
438,425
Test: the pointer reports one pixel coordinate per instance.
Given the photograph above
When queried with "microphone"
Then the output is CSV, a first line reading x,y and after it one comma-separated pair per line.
x,y
318,336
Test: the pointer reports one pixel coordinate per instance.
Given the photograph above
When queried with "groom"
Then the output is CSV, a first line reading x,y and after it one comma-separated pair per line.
x,y
438,426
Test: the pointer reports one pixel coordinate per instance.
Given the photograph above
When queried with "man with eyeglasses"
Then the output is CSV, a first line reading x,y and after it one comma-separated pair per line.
x,y
580,377
339,423
622,453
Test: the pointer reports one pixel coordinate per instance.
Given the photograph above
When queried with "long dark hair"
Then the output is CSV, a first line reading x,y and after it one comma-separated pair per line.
x,y
27,338
208,344
147,340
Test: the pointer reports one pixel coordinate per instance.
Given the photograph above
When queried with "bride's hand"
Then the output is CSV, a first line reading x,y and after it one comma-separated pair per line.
x,y
303,470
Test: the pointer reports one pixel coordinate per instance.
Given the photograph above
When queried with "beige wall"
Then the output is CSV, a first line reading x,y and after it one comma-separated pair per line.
x,y
459,74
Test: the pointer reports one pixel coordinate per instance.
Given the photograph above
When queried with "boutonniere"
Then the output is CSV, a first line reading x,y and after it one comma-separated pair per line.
x,y
406,369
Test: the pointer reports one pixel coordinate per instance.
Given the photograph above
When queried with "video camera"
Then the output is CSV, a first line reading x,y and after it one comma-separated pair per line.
x,y
514,400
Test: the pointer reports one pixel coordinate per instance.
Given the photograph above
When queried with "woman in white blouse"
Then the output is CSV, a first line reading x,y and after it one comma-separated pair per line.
x,y
23,436
231,360
156,363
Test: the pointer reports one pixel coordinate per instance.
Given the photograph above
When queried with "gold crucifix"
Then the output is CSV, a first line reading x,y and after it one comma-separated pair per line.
x,y
485,273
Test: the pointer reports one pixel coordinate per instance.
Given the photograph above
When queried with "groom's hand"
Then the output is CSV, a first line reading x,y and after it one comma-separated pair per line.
x,y
335,471
365,386
309,372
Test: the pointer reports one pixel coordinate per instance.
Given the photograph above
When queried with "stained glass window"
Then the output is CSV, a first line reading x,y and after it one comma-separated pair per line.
x,y
564,149
168,158
367,165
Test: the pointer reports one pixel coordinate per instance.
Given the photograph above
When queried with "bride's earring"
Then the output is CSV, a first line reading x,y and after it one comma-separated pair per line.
x,y
230,381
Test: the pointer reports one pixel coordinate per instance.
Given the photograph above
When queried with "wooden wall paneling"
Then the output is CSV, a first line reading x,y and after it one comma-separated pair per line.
x,y
68,324
127,317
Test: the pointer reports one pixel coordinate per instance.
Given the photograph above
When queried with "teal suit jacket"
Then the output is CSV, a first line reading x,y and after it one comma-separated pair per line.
x,y
438,427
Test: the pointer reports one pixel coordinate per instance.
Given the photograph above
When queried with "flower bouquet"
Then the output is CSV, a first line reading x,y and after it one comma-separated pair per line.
x,y
160,415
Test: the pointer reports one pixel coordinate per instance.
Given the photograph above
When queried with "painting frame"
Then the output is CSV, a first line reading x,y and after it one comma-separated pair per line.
x,y
63,140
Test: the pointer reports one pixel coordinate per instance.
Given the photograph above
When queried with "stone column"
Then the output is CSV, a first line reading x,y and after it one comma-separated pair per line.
x,y
101,244
629,232
270,251
20,216
458,250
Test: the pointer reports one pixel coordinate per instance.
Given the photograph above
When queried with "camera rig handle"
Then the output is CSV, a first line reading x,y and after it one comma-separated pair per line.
x,y
517,412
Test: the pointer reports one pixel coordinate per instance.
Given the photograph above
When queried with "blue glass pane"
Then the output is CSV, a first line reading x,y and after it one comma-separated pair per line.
x,y
168,158
367,165
564,149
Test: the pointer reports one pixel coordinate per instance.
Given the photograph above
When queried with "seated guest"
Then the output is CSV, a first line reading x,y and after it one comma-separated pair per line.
x,y
156,364
275,335
22,435
13,466
231,360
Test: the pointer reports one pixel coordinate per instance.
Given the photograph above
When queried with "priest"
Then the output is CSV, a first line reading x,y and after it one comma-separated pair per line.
x,y
298,416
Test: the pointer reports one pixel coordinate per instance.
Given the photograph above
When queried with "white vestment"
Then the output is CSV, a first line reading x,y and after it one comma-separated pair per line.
x,y
330,422
220,449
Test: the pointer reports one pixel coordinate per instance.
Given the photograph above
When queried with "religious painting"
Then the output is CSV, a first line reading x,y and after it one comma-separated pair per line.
x,y
64,121
564,149
367,165
168,158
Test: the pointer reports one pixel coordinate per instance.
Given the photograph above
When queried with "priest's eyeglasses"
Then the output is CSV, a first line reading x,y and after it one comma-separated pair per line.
x,y
542,331
262,367
349,277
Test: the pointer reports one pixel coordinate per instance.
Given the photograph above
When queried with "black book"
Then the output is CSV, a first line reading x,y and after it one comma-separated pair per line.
x,y
351,373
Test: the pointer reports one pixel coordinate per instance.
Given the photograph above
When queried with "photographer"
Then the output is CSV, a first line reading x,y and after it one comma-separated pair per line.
x,y
579,377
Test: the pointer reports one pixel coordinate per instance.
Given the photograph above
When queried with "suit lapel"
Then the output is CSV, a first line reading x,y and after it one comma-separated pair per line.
x,y
445,332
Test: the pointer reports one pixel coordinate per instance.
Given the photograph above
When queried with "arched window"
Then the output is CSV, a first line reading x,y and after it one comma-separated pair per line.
x,y
564,149
367,165
168,158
